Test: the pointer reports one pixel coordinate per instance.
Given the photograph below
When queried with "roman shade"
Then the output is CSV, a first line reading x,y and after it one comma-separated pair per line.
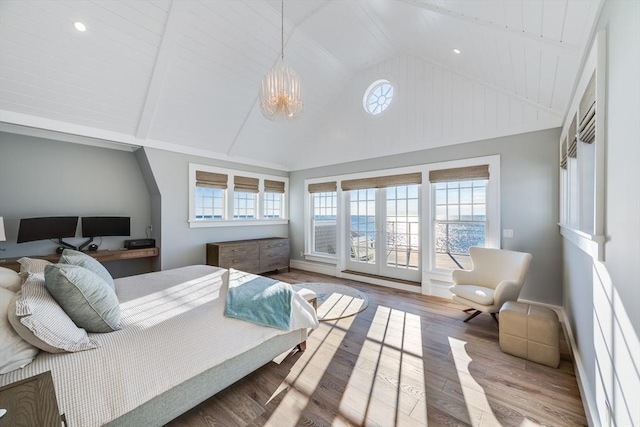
x,y
382,181
323,187
211,180
273,186
573,139
587,130
563,154
459,174
246,184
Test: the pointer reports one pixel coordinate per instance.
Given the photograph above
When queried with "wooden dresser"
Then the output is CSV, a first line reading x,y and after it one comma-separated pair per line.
x,y
253,256
30,402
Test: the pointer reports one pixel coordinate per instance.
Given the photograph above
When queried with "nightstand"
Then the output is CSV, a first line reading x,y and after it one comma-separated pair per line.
x,y
30,402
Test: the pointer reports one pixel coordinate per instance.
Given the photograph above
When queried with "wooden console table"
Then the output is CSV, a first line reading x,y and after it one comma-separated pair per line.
x,y
102,256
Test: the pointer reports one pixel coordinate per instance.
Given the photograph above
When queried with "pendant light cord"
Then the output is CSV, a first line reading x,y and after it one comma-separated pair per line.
x,y
282,30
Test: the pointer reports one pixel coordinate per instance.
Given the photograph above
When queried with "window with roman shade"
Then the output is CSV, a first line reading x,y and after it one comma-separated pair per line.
x,y
210,195
587,112
460,213
273,200
324,217
220,197
245,190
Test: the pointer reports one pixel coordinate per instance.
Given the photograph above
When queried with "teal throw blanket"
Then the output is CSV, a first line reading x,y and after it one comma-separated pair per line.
x,y
262,301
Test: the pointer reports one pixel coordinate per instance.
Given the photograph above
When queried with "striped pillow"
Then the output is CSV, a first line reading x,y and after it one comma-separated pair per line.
x,y
31,266
46,321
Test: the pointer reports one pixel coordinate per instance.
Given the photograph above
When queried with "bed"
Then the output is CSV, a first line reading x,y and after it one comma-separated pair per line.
x,y
175,350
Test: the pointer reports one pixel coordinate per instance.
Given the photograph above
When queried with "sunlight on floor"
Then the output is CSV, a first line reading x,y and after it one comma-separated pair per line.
x,y
387,386
306,374
480,412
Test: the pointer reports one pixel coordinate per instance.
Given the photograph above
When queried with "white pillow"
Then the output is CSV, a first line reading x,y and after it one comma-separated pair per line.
x,y
9,279
38,318
15,353
31,266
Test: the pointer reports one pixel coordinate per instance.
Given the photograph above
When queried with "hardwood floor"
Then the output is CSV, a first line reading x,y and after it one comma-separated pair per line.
x,y
407,360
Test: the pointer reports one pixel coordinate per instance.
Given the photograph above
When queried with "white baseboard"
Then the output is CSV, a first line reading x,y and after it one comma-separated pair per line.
x,y
590,407
380,282
329,270
438,289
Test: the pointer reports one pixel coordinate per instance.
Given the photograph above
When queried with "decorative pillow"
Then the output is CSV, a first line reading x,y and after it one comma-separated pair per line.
x,y
87,299
15,353
31,266
9,279
39,320
72,257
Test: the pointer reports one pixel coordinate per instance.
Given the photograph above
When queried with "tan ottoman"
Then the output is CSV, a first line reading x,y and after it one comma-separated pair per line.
x,y
531,332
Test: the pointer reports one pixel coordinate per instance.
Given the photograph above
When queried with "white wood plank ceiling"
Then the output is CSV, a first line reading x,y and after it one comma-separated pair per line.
x,y
183,75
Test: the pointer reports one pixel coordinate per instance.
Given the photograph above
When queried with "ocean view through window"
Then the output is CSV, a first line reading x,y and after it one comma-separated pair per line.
x,y
459,221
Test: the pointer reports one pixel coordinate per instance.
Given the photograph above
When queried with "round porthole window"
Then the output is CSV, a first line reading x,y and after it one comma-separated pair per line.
x,y
377,97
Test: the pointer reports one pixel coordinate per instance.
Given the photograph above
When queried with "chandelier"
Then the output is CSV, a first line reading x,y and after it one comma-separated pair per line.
x,y
280,92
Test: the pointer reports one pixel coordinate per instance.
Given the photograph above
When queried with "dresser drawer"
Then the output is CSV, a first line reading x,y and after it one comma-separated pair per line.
x,y
273,245
274,254
231,251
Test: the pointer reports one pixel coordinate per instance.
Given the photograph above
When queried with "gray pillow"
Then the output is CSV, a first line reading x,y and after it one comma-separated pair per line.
x,y
86,298
69,256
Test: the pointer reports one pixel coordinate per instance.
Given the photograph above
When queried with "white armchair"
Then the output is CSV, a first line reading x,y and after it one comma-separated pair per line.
x,y
497,277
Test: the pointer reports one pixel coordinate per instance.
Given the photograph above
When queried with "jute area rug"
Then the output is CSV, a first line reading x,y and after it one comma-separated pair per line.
x,y
337,301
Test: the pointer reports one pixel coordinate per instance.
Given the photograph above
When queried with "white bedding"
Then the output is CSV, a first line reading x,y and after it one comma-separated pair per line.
x,y
172,329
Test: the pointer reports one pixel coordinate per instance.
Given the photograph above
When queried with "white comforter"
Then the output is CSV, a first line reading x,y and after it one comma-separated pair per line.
x,y
172,329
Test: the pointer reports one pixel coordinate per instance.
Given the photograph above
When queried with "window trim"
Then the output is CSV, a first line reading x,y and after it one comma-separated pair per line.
x,y
229,221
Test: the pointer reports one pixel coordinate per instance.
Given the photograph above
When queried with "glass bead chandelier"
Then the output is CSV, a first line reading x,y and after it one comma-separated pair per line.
x,y
280,91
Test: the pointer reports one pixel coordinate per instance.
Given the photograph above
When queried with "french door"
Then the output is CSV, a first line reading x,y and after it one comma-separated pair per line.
x,y
383,238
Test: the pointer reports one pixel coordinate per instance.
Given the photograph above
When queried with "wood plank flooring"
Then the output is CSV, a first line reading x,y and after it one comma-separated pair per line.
x,y
407,360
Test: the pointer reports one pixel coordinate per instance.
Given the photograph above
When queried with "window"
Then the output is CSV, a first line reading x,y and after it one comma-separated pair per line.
x,y
377,97
403,226
323,206
272,205
273,200
465,211
460,221
325,216
210,195
226,197
209,203
244,204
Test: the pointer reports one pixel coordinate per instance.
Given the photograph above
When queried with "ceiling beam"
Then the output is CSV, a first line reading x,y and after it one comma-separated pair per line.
x,y
504,30
165,51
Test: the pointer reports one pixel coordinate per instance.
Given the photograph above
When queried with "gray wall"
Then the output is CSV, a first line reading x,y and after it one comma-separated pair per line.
x,y
43,177
601,300
529,199
182,245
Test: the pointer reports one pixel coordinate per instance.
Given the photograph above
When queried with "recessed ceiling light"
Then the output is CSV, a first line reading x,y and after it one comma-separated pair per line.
x,y
80,26
456,50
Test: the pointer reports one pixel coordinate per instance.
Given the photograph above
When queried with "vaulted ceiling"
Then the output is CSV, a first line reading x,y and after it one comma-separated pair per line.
x,y
183,75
